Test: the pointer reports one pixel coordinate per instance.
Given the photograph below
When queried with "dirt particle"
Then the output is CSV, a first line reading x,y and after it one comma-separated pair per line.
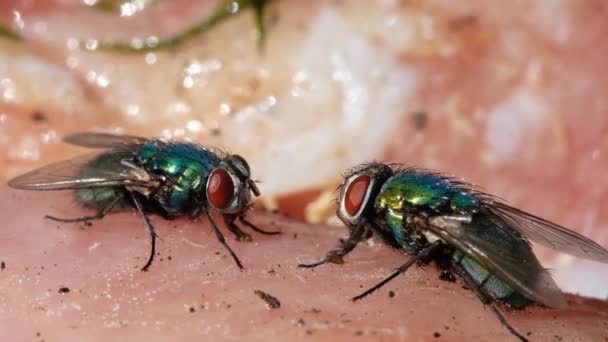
x,y
419,119
558,338
300,322
295,235
436,334
192,309
2,265
313,310
309,332
271,271
271,301
169,258
391,294
38,334
64,289
38,117
358,333
464,21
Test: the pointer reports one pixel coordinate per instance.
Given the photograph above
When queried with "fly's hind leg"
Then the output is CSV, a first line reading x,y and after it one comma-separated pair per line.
x,y
97,216
486,300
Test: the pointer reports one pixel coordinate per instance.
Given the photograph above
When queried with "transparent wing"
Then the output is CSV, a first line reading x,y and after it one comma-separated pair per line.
x,y
550,234
103,140
98,170
491,241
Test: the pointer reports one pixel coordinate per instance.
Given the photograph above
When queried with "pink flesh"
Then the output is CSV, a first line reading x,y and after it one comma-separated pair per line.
x,y
111,298
557,171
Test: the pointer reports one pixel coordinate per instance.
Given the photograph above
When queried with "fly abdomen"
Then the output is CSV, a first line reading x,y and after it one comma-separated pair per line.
x,y
488,282
97,198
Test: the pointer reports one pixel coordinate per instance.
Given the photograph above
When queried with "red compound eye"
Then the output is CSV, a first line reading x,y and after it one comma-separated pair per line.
x,y
355,194
220,188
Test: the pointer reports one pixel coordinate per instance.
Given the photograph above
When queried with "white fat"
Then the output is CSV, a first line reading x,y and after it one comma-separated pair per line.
x,y
347,98
511,124
30,81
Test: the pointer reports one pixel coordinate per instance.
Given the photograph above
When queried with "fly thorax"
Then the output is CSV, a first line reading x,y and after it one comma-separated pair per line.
x,y
403,231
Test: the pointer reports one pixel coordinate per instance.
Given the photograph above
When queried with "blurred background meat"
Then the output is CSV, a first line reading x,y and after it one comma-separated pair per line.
x,y
508,95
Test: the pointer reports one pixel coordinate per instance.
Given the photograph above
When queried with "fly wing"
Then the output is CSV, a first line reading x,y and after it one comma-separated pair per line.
x,y
550,234
494,244
90,171
103,140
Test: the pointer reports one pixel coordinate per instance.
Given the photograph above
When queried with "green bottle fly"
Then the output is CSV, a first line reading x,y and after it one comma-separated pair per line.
x,y
168,178
466,232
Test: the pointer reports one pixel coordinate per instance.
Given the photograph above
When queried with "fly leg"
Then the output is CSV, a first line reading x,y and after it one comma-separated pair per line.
x,y
240,235
424,256
256,229
97,216
222,240
335,256
486,300
150,228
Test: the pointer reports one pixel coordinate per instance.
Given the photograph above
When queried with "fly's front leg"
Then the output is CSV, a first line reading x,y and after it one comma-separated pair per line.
x,y
222,240
335,256
256,229
150,228
232,227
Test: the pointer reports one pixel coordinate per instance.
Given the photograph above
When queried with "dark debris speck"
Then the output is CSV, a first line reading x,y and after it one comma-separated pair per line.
x,y
420,119
64,289
192,309
38,117
391,294
271,301
313,310
2,265
436,335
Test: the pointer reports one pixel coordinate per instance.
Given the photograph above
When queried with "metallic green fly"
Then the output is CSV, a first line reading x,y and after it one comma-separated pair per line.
x,y
168,178
466,232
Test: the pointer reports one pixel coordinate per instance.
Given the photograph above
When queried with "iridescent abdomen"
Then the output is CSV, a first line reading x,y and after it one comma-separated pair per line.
x,y
186,166
100,197
497,288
